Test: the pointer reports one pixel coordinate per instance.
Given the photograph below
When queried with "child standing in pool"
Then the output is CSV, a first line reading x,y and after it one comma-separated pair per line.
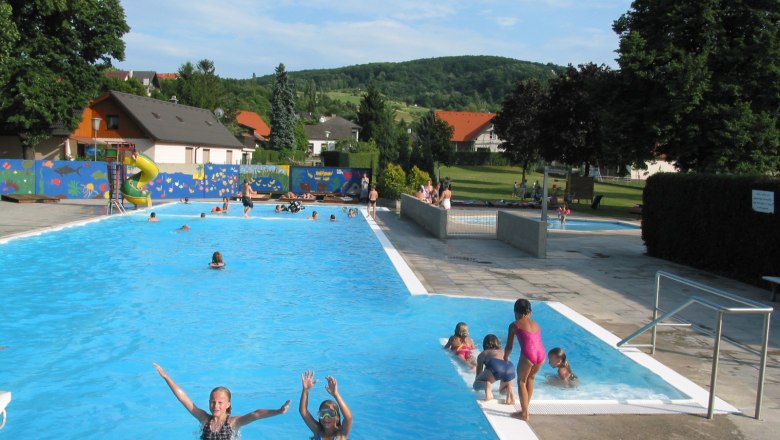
x,y
462,344
491,367
219,424
216,261
328,424
557,359
532,353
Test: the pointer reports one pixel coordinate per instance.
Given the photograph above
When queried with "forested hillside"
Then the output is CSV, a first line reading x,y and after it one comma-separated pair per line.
x,y
450,83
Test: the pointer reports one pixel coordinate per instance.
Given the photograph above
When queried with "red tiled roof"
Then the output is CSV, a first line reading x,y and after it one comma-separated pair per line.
x,y
162,76
255,122
466,125
118,74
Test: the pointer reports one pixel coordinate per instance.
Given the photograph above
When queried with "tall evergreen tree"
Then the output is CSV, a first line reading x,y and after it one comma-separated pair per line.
x,y
518,123
51,71
282,112
376,122
708,73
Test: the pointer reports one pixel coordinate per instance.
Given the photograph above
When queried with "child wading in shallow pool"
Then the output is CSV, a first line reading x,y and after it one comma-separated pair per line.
x,y
565,377
220,424
491,367
462,344
328,424
532,354
216,261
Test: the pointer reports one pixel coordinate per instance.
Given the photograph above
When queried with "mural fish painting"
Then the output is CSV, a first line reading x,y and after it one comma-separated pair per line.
x,y
64,171
99,175
56,181
7,166
48,164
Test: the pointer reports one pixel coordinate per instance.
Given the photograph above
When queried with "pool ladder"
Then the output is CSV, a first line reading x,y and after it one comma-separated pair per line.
x,y
753,308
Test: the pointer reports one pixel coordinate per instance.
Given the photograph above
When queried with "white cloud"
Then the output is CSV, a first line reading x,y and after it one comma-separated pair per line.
x,y
506,21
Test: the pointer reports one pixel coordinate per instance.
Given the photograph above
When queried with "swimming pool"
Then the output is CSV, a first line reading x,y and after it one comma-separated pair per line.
x,y
489,221
87,309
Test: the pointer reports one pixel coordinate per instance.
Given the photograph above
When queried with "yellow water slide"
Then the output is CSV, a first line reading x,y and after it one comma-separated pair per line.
x,y
133,188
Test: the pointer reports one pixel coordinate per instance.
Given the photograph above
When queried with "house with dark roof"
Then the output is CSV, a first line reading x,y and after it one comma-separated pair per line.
x,y
256,130
471,131
331,129
165,131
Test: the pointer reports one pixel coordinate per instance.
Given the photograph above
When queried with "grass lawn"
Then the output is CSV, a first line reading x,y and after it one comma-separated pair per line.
x,y
495,183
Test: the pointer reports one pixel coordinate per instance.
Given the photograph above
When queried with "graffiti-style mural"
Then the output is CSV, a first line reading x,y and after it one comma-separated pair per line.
x,y
267,178
17,176
72,179
345,181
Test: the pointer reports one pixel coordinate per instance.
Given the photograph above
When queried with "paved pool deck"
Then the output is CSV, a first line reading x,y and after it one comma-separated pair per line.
x,y
607,278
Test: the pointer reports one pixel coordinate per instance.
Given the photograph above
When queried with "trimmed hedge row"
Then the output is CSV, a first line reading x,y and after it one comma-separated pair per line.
x,y
351,160
707,221
465,158
263,156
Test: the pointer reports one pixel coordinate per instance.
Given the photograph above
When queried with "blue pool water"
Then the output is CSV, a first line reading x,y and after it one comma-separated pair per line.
x,y
554,224
88,309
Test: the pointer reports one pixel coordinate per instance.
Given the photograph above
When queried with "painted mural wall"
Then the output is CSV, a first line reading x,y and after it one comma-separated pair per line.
x,y
88,179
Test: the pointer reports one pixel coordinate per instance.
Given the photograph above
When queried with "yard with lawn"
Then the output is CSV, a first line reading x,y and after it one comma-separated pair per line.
x,y
495,183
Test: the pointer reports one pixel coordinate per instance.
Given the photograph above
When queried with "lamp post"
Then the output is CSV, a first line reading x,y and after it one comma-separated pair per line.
x,y
95,128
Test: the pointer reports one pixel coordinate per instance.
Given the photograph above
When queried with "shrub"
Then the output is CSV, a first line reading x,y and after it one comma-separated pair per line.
x,y
415,178
707,221
392,182
466,158
369,160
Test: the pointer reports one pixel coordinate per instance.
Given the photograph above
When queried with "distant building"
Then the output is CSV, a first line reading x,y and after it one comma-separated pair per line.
x,y
165,131
472,131
165,76
256,130
149,79
331,129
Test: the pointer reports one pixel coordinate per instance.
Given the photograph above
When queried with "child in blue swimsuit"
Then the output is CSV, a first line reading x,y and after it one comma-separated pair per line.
x,y
328,424
491,367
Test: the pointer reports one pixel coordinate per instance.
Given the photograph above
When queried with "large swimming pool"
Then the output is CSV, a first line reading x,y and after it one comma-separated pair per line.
x,y
87,310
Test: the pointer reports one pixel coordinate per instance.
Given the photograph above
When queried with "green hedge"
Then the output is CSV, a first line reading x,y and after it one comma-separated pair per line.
x,y
465,158
261,156
707,221
351,160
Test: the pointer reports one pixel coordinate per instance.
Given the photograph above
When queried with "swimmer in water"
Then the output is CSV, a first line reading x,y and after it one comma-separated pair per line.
x,y
184,228
328,423
153,217
462,344
216,261
219,424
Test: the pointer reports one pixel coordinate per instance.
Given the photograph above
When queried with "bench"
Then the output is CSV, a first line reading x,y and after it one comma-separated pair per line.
x,y
774,281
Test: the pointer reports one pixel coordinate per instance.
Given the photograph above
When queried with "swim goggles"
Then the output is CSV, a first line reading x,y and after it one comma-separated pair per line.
x,y
326,414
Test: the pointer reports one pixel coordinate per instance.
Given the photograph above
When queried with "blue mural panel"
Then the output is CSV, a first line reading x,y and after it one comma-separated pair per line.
x,y
326,180
266,178
72,179
17,176
178,185
221,181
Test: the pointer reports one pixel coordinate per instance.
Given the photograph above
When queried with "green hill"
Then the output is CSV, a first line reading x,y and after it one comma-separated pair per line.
x,y
448,83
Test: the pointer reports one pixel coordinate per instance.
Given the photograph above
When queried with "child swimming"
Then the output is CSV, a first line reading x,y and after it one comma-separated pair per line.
x,y
532,354
462,344
557,359
328,424
491,367
216,261
219,424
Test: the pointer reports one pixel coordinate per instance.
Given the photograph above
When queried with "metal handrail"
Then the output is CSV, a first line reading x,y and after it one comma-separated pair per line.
x,y
754,308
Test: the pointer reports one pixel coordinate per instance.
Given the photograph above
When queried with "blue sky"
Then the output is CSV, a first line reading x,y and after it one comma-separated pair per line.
x,y
245,36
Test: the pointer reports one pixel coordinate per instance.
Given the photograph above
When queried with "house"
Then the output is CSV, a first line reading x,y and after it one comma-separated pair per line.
x,y
147,78
256,130
331,129
472,131
165,131
167,76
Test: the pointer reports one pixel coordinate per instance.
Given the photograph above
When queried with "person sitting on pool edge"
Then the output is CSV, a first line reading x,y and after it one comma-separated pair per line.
x,y
462,344
220,424
153,217
328,424
216,261
491,367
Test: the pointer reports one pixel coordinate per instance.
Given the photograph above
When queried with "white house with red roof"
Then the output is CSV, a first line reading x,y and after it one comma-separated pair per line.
x,y
472,131
257,131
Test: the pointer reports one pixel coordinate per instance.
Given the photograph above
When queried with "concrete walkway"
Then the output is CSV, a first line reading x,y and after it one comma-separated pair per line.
x,y
606,278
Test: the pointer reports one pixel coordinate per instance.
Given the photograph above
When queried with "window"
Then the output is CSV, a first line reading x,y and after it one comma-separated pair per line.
x,y
206,155
189,152
229,157
112,122
493,135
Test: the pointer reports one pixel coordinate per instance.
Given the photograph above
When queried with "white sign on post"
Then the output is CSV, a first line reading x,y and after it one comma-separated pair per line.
x,y
764,201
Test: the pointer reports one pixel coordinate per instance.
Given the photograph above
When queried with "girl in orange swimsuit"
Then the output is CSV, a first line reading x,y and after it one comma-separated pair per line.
x,y
462,344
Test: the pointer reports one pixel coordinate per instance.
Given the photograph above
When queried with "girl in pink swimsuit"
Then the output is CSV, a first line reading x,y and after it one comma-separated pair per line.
x,y
532,353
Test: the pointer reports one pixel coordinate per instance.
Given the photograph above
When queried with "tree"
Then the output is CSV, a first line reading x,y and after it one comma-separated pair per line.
x,y
518,123
282,112
709,71
199,86
54,67
376,122
433,144
132,86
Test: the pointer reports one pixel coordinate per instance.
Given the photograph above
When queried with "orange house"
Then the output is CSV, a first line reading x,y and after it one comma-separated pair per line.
x,y
472,131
